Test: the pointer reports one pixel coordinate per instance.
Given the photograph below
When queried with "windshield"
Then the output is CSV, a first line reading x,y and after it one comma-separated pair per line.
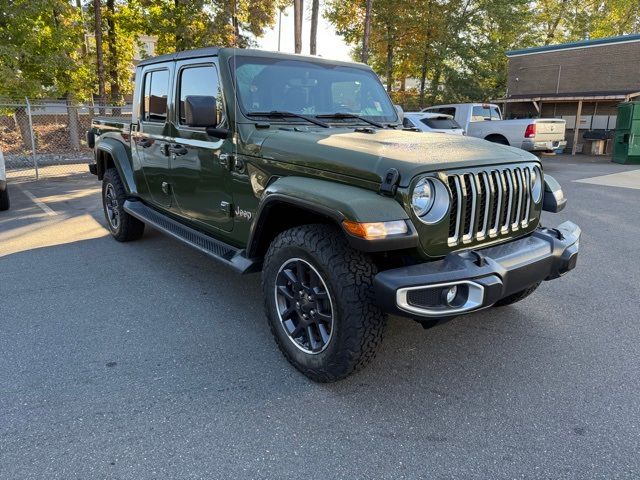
x,y
308,88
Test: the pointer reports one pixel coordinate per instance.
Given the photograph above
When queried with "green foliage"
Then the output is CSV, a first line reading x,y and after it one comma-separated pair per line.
x,y
456,48
39,54
47,47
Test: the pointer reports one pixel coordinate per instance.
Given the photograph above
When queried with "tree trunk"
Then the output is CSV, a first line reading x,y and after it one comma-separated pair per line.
x,y
73,124
389,66
367,32
21,118
298,6
97,7
112,40
423,73
315,13
436,83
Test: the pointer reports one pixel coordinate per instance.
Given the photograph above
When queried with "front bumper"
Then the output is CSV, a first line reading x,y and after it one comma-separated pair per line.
x,y
550,146
481,277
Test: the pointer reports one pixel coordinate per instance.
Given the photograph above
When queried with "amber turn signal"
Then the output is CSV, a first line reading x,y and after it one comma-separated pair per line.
x,y
375,230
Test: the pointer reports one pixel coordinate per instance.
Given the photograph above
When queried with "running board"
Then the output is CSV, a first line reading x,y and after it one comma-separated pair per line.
x,y
227,254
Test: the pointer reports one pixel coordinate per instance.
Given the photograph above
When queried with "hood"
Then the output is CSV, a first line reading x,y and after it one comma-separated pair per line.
x,y
370,155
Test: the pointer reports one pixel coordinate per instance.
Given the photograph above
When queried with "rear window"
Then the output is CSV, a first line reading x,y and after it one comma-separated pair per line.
x,y
441,123
156,90
485,113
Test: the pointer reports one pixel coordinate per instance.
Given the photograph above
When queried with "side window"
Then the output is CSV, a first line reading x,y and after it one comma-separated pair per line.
x,y
156,89
203,81
495,113
480,114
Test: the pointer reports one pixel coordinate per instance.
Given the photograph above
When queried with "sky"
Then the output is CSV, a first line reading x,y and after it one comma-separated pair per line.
x,y
330,45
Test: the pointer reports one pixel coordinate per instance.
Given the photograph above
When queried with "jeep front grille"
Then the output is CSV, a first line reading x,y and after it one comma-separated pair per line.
x,y
489,204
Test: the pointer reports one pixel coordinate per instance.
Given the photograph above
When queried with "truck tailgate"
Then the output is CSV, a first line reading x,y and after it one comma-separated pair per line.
x,y
549,130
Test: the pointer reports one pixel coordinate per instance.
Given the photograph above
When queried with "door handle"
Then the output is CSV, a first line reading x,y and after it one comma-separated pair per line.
x,y
145,142
178,150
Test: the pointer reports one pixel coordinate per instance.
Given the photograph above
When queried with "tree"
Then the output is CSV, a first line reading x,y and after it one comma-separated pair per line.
x,y
367,32
298,7
97,12
315,13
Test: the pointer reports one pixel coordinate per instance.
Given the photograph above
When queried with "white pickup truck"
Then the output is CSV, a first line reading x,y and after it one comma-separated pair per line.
x,y
484,120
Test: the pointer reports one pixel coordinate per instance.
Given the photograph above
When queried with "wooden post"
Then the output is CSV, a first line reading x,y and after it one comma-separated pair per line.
x,y
576,130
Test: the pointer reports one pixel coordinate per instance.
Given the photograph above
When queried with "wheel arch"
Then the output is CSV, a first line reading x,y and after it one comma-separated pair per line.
x,y
111,153
497,138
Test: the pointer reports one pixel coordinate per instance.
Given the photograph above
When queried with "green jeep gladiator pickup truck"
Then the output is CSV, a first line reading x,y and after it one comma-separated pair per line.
x,y
299,167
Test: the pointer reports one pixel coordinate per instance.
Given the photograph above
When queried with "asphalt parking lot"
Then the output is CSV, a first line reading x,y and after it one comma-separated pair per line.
x,y
147,360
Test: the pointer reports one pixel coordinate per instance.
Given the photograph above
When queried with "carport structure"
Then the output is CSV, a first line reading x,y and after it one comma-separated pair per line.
x,y
597,110
582,82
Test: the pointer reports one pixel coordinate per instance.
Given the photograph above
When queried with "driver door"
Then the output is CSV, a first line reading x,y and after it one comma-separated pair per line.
x,y
200,179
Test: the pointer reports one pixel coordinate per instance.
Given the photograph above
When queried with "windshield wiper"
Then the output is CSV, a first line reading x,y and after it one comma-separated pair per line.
x,y
281,114
350,115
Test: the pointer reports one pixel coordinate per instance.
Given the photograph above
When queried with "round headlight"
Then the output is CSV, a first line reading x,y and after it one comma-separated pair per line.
x,y
536,184
430,200
423,197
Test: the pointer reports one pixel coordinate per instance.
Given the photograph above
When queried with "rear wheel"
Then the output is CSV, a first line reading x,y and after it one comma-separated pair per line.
x,y
4,199
516,297
123,227
319,302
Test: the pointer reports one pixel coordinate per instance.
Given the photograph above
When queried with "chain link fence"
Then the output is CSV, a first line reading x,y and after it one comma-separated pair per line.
x,y
47,138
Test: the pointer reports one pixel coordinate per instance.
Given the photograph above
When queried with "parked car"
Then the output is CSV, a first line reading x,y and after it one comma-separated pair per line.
x,y
4,188
483,120
432,122
299,167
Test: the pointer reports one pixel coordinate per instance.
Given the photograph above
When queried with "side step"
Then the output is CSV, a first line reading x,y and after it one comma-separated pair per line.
x,y
227,254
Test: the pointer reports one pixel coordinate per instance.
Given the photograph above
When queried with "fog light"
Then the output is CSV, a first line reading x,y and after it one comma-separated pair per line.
x,y
450,294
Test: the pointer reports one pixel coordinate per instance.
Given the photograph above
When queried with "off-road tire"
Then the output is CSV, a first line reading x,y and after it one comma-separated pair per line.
x,y
358,322
129,228
516,297
4,199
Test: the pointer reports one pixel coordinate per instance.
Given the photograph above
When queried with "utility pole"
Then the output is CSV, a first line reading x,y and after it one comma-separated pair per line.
x,y
280,27
367,32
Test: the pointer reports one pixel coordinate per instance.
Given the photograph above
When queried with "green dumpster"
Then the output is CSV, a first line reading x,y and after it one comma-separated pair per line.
x,y
626,147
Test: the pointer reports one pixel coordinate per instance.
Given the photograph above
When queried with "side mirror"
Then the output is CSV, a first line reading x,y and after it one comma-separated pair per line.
x,y
202,111
400,113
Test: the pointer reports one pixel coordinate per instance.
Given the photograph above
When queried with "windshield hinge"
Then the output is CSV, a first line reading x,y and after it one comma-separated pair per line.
x,y
390,182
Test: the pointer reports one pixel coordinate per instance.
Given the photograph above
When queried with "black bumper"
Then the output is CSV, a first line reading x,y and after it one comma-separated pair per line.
x,y
482,277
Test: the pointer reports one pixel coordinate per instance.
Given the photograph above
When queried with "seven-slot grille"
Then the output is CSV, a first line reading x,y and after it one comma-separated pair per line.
x,y
489,204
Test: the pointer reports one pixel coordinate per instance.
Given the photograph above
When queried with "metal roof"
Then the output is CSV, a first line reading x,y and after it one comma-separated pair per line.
x,y
198,52
570,97
573,45
228,52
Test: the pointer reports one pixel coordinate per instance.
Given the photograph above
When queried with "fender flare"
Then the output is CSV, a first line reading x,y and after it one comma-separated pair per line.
x,y
121,160
554,199
337,202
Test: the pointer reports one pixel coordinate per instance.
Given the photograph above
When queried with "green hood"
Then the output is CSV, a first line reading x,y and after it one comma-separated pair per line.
x,y
370,155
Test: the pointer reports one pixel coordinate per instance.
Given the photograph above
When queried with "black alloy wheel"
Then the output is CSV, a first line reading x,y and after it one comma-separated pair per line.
x,y
304,306
112,209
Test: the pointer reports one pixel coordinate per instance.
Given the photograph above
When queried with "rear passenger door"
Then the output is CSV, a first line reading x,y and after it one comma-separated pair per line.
x,y
152,138
199,175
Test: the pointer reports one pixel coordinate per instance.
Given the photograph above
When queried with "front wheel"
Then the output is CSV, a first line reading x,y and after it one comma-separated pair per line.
x,y
319,302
